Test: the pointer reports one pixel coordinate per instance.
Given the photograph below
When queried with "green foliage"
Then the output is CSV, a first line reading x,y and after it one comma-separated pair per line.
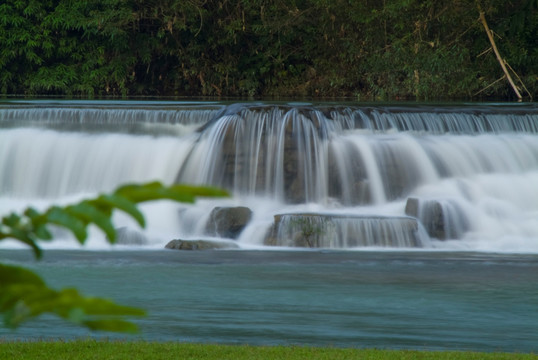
x,y
32,225
135,350
375,49
309,229
24,295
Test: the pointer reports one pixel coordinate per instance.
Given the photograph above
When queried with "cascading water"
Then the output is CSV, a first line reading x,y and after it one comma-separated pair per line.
x,y
333,176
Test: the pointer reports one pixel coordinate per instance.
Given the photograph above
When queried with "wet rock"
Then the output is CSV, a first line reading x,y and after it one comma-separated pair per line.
x,y
179,244
343,231
442,219
228,222
346,176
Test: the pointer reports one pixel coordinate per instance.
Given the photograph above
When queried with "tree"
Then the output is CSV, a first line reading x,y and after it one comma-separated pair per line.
x,y
373,49
24,295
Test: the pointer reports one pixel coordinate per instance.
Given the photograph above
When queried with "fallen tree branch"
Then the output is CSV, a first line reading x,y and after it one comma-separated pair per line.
x,y
490,85
484,52
501,61
519,79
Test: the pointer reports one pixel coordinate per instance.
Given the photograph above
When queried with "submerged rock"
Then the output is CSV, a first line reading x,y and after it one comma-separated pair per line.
x,y
179,244
228,222
343,231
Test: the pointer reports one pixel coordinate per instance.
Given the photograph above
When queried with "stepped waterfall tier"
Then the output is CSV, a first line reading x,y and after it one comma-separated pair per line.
x,y
347,176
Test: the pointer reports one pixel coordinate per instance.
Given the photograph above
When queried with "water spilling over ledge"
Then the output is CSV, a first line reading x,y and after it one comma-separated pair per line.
x,y
464,119
448,176
345,231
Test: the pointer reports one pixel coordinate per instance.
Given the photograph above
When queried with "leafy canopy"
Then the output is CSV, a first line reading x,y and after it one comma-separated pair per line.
x,y
387,49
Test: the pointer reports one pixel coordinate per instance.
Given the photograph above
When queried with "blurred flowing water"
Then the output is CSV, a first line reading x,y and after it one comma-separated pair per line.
x,y
425,216
475,165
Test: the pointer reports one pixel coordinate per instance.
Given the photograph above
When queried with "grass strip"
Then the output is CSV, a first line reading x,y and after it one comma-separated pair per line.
x,y
137,350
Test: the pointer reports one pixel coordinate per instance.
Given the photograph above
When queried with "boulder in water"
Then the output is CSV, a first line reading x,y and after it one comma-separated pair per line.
x,y
179,244
228,222
343,231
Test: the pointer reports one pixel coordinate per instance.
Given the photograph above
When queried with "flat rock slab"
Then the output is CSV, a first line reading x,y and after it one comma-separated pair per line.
x,y
343,231
179,244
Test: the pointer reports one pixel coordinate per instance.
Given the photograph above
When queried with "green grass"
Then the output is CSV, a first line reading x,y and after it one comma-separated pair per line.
x,y
94,349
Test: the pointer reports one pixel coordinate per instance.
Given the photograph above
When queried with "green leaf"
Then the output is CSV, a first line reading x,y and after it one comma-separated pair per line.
x,y
91,214
140,193
24,235
204,191
11,220
104,307
43,232
121,203
10,274
59,216
24,295
34,215
156,191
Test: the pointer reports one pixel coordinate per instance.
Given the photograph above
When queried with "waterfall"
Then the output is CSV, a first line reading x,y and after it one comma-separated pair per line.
x,y
276,152
45,163
439,177
104,115
303,155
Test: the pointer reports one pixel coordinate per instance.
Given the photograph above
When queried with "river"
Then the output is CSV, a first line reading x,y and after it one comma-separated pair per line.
x,y
363,299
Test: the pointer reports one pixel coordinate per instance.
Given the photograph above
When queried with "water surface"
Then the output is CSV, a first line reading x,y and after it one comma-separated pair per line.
x,y
418,300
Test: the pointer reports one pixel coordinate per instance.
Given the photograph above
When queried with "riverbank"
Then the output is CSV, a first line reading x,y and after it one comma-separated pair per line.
x,y
94,349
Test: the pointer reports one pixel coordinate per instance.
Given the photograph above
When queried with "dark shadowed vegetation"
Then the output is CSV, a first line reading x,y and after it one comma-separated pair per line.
x,y
386,49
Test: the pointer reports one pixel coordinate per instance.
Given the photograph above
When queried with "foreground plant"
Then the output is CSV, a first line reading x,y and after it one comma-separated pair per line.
x,y
24,295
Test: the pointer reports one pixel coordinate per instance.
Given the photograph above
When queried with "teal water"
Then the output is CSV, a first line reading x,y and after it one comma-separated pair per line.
x,y
417,300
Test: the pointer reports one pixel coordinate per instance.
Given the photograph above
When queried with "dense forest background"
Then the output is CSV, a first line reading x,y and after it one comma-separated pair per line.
x,y
369,49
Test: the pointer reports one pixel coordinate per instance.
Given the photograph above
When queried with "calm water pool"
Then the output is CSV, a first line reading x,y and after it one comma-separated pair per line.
x,y
419,300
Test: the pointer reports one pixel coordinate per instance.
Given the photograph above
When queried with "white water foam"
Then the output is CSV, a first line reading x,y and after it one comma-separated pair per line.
x,y
490,177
